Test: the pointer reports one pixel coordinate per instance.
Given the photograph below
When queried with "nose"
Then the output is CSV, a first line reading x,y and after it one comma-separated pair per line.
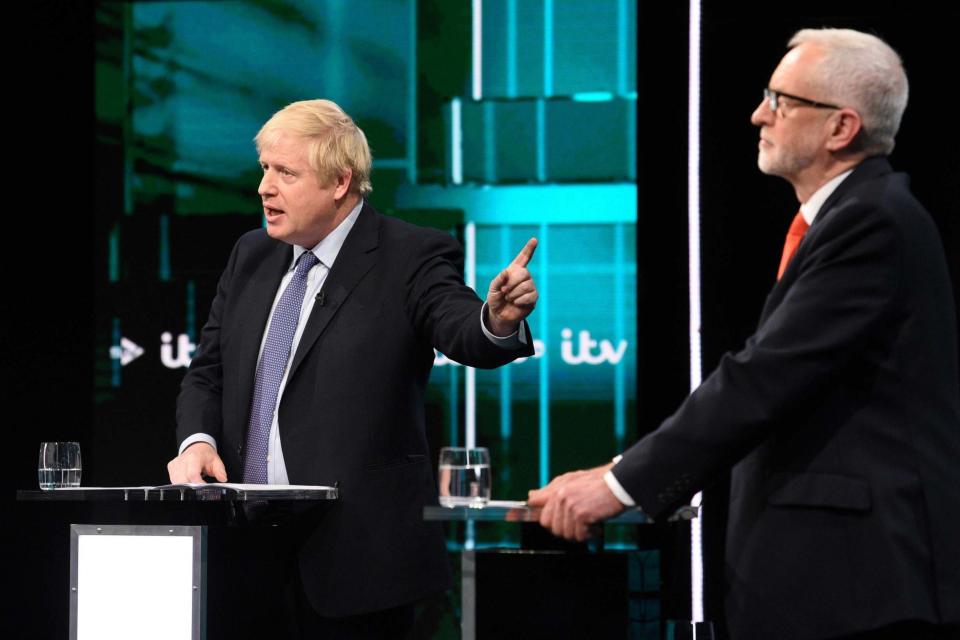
x,y
762,114
267,187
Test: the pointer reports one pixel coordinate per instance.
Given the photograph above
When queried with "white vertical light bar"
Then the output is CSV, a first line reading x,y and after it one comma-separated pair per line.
x,y
470,384
693,225
456,142
477,59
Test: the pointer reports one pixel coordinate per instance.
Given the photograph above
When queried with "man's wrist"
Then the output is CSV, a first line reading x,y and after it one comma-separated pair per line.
x,y
617,490
515,340
194,439
498,328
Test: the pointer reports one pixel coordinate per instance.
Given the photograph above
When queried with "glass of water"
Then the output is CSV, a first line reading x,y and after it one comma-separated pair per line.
x,y
59,465
464,476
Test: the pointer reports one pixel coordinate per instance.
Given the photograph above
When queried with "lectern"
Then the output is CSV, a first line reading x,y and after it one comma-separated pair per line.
x,y
160,562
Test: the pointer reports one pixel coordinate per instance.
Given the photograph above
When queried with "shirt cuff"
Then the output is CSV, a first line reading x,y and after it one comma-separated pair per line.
x,y
515,340
197,437
618,490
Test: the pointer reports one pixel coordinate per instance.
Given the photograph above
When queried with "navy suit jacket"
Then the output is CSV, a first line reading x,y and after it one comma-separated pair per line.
x,y
841,420
352,411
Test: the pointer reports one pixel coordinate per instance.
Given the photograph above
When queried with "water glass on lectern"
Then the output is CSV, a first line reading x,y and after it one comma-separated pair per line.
x,y
59,465
464,476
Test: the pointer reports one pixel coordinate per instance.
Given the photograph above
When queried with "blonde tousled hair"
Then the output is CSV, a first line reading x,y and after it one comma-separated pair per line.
x,y
336,143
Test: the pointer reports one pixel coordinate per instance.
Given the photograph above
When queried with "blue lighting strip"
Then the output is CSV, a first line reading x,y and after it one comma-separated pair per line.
x,y
592,96
620,371
115,364
543,309
541,140
505,400
114,241
412,92
454,405
528,204
164,274
393,163
191,310
621,47
632,140
548,48
589,269
489,142
511,48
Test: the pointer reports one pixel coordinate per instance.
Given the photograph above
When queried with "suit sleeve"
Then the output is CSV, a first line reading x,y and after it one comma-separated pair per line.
x,y
444,311
841,298
199,404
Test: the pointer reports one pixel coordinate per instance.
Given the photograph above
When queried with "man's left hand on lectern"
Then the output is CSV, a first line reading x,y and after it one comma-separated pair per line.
x,y
197,460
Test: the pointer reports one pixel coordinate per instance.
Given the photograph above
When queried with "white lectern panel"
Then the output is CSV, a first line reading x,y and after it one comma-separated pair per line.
x,y
136,582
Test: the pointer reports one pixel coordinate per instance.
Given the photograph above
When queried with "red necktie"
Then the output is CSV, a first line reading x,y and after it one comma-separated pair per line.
x,y
798,227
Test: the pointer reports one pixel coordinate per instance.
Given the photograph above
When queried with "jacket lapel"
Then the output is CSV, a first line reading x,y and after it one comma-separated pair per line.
x,y
356,258
866,170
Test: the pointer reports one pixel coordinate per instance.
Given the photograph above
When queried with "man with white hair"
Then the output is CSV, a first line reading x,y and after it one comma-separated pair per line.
x,y
841,415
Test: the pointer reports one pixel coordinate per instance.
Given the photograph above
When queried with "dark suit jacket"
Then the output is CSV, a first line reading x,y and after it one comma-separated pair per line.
x,y
352,410
841,417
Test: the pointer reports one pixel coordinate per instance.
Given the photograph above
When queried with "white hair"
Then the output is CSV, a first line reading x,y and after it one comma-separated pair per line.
x,y
861,71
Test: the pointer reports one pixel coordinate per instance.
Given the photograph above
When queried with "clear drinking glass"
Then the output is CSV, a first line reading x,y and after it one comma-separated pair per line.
x,y
59,465
464,476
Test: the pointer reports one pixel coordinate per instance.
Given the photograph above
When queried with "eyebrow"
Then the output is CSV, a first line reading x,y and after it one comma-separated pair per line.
x,y
275,165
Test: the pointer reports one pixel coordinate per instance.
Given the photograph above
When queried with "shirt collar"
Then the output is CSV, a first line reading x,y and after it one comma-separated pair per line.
x,y
811,207
327,249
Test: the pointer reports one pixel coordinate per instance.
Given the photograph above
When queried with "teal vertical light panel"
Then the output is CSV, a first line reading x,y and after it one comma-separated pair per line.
x,y
505,399
164,266
543,308
621,47
114,263
620,372
489,142
511,48
191,307
631,127
548,48
412,92
128,125
541,140
453,398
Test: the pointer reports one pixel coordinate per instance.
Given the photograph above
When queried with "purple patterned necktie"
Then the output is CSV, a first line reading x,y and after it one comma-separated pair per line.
x,y
270,369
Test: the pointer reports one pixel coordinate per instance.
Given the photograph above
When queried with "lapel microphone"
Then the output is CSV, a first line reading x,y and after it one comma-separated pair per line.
x,y
320,298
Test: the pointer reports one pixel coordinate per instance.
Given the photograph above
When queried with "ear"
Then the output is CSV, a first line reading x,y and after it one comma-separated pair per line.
x,y
343,184
844,125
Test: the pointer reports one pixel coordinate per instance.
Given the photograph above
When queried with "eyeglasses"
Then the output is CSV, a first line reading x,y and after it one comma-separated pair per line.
x,y
773,100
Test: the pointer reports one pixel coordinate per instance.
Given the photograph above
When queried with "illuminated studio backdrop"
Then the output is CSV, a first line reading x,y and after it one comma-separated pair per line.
x,y
496,125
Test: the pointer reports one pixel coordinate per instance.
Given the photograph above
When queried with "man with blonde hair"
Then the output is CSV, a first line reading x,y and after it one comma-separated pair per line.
x,y
313,364
841,415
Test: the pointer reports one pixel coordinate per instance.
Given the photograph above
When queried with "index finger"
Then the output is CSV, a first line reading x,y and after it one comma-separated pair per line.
x,y
526,253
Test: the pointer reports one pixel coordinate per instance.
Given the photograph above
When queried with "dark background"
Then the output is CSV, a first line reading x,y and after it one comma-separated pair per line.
x,y
49,296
